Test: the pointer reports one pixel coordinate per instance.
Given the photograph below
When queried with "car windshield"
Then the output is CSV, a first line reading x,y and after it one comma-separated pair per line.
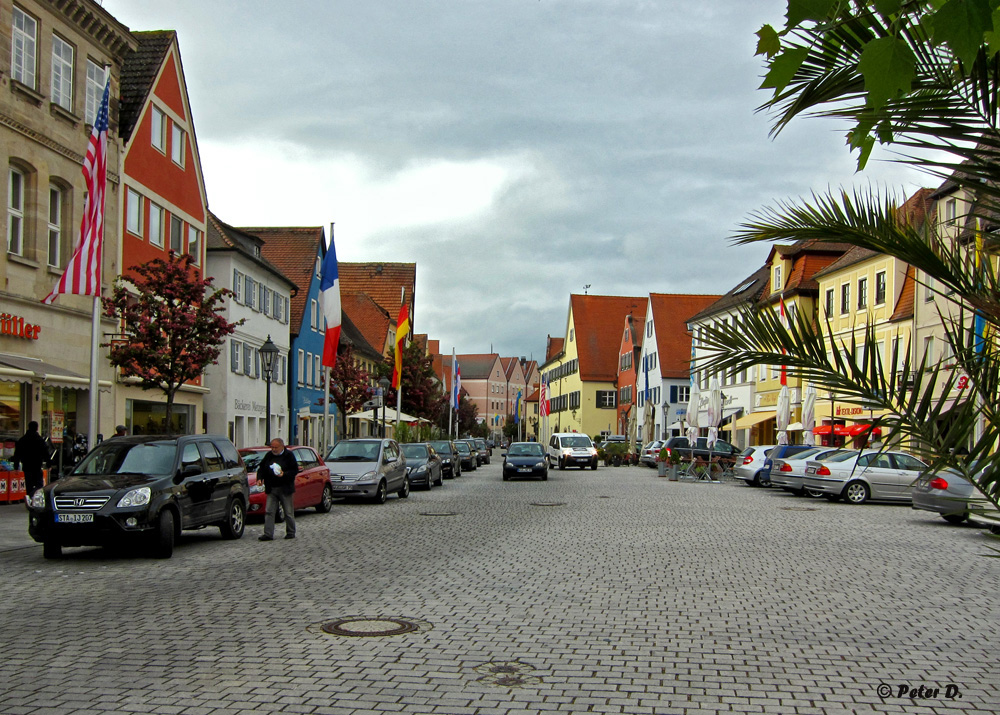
x,y
576,441
118,457
252,458
841,456
354,452
525,450
414,451
463,448
806,454
441,447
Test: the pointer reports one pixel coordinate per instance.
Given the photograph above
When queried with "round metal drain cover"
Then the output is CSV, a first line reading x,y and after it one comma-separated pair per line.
x,y
369,627
798,508
439,513
548,503
507,674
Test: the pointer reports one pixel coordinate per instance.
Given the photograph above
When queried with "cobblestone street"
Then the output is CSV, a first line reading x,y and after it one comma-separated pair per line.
x,y
609,591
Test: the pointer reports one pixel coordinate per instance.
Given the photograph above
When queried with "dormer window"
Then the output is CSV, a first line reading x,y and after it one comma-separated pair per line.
x,y
777,278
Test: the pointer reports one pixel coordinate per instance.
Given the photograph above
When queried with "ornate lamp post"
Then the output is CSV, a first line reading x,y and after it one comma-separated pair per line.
x,y
268,353
384,383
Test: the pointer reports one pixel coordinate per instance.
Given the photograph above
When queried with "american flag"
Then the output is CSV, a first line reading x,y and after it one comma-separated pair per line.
x,y
83,273
543,400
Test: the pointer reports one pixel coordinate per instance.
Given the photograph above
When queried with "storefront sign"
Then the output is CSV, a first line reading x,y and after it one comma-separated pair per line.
x,y
15,325
57,422
254,406
850,411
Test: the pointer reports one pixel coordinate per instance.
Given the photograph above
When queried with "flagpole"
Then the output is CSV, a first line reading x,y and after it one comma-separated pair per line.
x,y
326,413
93,414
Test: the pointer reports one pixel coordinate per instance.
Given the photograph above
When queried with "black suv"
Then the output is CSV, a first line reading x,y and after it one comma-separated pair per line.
x,y
145,489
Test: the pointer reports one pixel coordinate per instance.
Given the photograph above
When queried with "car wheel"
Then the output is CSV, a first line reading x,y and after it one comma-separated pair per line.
x,y
52,549
380,493
404,491
831,497
562,464
326,502
755,482
593,465
163,537
812,493
430,483
232,527
955,518
440,479
856,493
545,476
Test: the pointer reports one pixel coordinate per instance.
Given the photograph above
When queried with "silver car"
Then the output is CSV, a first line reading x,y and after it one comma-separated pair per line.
x,y
750,463
860,476
949,494
369,468
788,473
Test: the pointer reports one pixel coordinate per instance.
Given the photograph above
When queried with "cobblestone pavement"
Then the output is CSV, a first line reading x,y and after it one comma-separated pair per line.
x,y
610,592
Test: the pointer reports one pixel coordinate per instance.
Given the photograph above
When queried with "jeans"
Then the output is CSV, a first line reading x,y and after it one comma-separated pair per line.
x,y
285,496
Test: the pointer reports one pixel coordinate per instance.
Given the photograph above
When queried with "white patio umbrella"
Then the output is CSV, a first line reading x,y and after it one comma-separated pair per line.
x,y
714,411
809,415
784,410
692,413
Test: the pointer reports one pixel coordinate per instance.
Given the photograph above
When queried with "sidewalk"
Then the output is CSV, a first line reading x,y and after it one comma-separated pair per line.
x,y
14,527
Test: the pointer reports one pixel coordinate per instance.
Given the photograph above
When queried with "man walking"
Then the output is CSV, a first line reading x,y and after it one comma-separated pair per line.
x,y
30,453
278,470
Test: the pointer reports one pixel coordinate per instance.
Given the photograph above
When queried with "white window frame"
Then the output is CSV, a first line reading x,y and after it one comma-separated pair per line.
x,y
23,48
158,129
15,211
235,351
133,212
176,222
863,293
177,144
881,277
96,79
777,279
237,286
845,298
156,215
299,377
56,201
194,244
62,73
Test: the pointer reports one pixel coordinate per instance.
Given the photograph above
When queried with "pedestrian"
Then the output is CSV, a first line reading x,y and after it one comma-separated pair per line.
x,y
30,453
121,431
278,470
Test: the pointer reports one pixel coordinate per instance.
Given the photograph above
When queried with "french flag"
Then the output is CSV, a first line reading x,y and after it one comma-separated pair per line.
x,y
329,288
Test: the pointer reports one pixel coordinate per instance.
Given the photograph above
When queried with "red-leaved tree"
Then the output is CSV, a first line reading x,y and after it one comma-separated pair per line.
x,y
350,385
172,322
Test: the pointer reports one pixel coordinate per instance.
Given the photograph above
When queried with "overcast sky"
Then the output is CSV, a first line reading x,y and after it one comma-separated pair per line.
x,y
515,150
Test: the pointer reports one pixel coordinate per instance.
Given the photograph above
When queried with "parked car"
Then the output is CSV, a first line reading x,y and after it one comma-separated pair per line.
x,y
687,450
613,439
369,468
788,473
751,462
484,451
143,489
451,462
860,476
779,451
525,459
474,448
312,483
949,494
568,449
423,465
650,452
467,457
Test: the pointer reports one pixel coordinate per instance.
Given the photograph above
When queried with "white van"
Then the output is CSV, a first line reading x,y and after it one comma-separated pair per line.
x,y
571,448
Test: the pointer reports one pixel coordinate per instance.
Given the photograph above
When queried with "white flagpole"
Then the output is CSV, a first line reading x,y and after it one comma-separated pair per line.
x,y
93,414
326,413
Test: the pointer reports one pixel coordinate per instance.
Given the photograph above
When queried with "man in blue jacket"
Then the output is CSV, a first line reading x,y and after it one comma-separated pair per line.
x,y
278,470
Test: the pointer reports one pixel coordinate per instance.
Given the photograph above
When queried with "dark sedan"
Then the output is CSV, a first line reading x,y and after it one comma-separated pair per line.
x,y
451,463
467,458
423,465
525,459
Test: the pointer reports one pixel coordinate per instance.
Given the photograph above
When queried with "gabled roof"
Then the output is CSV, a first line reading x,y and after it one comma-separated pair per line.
x,y
747,291
350,335
673,341
477,366
553,346
509,364
907,294
220,236
384,282
370,319
597,321
294,251
138,73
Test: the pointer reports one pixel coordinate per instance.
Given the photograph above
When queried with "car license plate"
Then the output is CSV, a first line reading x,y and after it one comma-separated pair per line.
x,y
74,518
342,487
524,469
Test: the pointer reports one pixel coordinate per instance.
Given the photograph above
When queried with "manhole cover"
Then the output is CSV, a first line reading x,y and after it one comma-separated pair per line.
x,y
605,497
798,508
362,626
439,513
548,503
507,674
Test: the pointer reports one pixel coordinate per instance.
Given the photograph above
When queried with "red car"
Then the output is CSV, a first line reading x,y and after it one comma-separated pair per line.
x,y
312,485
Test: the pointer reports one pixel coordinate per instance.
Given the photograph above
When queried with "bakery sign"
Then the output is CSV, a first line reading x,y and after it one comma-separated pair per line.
x,y
16,326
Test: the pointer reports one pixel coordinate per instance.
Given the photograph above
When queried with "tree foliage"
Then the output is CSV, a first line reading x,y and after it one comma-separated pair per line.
x,y
921,77
172,322
350,385
422,393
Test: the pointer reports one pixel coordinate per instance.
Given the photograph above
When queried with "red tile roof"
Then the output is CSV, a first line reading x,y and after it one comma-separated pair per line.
x,y
597,324
553,347
294,251
371,320
139,70
384,282
673,341
907,294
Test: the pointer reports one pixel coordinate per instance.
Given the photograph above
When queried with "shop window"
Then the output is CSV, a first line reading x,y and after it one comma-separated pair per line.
x,y
151,417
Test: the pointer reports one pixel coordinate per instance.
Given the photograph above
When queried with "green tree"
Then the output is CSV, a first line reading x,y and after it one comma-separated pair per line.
x,y
422,393
350,385
922,78
173,323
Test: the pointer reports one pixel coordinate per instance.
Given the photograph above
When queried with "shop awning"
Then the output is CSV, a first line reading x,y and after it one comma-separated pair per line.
x,y
753,418
822,429
863,428
24,369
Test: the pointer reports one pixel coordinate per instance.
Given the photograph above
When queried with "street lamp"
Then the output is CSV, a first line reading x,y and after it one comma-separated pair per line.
x,y
268,354
384,384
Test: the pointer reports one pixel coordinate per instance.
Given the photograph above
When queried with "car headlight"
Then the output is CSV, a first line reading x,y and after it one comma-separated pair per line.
x,y
539,465
135,497
38,499
368,476
421,469
257,488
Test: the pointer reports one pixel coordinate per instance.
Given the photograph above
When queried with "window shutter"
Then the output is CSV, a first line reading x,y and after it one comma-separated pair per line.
x,y
673,393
